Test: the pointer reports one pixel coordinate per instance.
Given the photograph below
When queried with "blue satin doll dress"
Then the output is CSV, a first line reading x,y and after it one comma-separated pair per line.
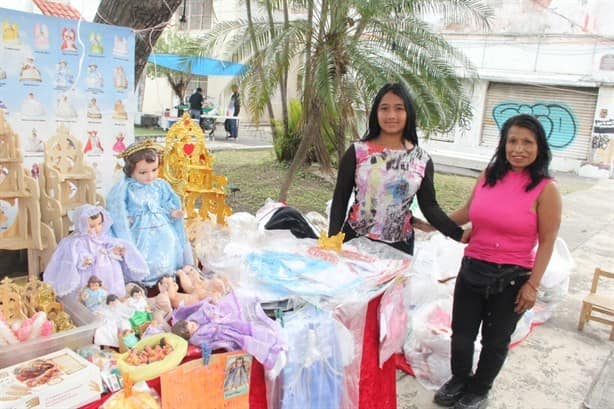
x,y
142,214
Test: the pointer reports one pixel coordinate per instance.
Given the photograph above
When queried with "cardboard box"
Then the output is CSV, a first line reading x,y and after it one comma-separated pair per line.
x,y
61,379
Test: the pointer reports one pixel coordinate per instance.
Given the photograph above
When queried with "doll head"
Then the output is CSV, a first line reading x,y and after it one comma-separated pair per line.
x,y
136,292
168,284
94,224
184,328
92,220
146,170
141,160
94,283
112,300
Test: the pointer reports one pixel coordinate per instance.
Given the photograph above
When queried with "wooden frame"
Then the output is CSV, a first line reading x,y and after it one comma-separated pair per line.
x,y
601,304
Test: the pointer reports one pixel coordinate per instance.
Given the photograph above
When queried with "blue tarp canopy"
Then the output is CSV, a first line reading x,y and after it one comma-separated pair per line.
x,y
199,65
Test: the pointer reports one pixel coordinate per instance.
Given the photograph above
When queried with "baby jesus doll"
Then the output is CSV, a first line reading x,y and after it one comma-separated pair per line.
x,y
147,212
168,286
192,282
90,250
94,296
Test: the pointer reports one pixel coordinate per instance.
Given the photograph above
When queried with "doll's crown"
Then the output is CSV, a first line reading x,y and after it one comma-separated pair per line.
x,y
140,146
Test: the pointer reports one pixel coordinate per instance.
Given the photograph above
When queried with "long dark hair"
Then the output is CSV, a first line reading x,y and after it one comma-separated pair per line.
x,y
538,170
409,132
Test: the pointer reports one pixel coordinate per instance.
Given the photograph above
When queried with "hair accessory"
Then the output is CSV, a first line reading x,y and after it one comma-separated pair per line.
x,y
140,146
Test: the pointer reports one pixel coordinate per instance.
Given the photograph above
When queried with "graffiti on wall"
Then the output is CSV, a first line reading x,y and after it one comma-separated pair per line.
x,y
603,139
558,119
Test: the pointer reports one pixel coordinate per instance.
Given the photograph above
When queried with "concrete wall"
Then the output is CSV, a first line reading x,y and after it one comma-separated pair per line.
x,y
574,60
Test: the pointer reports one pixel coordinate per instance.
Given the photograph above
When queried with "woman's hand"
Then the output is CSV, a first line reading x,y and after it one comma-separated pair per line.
x,y
526,297
420,224
466,235
176,214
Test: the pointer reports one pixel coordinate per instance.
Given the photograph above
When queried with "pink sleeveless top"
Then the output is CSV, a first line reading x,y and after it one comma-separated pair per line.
x,y
504,224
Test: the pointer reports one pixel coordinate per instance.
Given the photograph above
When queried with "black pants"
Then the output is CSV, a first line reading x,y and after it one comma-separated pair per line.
x,y
489,305
406,246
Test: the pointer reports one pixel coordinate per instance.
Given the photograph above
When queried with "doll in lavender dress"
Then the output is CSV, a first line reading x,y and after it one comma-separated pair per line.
x,y
147,212
232,325
90,250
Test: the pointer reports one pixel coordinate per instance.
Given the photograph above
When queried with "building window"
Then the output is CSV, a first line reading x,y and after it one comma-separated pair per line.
x,y
198,13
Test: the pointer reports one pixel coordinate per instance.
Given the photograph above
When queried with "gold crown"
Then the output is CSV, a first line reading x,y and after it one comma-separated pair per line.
x,y
140,146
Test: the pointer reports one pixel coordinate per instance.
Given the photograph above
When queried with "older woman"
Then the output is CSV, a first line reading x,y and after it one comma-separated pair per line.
x,y
515,212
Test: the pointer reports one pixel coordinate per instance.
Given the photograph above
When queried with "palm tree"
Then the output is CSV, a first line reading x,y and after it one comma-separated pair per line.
x,y
347,50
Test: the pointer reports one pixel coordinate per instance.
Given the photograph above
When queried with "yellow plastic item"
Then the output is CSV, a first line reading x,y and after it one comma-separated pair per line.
x,y
153,370
130,398
331,243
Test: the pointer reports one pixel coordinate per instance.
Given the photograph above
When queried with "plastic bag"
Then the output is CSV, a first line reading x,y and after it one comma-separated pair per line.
x,y
427,348
560,266
393,320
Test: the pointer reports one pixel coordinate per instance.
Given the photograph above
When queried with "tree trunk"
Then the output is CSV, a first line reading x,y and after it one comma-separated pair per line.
x,y
252,35
305,144
148,18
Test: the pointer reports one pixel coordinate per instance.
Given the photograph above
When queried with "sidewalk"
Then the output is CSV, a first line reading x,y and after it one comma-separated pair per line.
x,y
556,366
249,137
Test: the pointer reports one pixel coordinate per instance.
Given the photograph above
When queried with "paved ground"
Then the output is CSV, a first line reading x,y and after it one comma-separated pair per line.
x,y
556,366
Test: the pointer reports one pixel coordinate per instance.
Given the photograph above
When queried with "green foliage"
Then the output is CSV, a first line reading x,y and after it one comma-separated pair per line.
x,y
346,50
257,175
285,145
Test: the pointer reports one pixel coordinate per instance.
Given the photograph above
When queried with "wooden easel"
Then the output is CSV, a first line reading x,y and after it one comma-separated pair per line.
x,y
20,213
66,181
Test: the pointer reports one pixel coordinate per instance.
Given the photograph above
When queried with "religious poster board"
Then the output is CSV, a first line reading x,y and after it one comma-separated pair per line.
x,y
74,73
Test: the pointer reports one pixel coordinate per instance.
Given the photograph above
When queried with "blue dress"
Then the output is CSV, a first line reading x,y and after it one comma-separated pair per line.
x,y
142,215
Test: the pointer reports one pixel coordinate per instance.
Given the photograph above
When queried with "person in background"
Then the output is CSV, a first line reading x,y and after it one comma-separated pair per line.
x,y
234,106
196,104
385,170
509,249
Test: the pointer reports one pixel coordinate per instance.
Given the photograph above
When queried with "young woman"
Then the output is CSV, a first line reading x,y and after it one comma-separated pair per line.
x,y
385,170
515,211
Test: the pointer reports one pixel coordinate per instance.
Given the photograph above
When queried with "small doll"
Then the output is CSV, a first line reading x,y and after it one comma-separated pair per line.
x,y
168,286
147,212
115,320
90,250
137,300
94,296
192,282
185,328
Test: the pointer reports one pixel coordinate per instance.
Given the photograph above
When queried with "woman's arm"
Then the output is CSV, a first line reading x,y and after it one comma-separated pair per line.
x,y
427,201
548,209
343,191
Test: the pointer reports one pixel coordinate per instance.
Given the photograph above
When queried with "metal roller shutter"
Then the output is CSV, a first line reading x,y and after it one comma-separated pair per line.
x,y
567,114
